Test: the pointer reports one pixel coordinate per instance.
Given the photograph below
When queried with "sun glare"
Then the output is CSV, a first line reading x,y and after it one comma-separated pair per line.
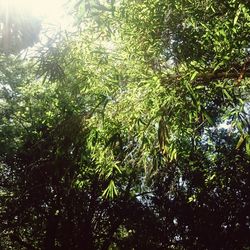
x,y
52,11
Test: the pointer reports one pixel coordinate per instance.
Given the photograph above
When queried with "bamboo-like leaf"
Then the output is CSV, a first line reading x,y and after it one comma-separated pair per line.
x,y
248,145
227,94
237,15
110,191
241,140
194,75
208,118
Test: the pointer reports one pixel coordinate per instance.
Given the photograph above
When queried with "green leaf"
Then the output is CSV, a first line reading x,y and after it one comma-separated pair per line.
x,y
110,191
208,118
193,75
241,140
237,15
248,145
227,94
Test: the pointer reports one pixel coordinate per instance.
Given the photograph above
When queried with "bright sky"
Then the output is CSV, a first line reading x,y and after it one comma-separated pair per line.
x,y
53,11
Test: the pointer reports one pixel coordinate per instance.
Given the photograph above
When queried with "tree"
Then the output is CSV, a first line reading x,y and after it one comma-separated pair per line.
x,y
19,29
120,131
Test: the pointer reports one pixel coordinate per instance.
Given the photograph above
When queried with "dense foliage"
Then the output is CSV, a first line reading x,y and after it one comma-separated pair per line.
x,y
132,132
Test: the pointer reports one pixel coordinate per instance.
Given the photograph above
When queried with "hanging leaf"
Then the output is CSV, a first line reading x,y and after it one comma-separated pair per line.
x,y
241,140
248,145
237,14
110,191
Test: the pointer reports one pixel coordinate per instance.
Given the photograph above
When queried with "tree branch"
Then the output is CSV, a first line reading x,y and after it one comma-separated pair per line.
x,y
237,75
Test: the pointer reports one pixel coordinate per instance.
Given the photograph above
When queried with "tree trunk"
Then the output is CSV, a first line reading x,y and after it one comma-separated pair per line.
x,y
49,241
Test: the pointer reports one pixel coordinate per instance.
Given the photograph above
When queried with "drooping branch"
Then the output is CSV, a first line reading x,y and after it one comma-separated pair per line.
x,y
237,73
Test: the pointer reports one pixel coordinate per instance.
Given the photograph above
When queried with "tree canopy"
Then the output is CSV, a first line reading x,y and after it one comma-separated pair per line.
x,y
19,29
130,132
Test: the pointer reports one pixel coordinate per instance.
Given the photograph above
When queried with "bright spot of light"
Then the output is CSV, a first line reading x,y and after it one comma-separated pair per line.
x,y
50,11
